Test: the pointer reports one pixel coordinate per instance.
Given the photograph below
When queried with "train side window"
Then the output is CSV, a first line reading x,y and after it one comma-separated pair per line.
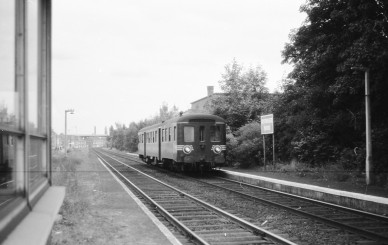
x,y
174,133
153,137
165,134
162,135
201,133
188,133
215,133
169,134
156,136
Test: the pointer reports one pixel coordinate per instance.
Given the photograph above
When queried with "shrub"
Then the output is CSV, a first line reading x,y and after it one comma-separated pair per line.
x,y
244,147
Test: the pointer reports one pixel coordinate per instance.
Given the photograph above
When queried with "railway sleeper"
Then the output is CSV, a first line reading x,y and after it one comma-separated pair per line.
x,y
248,238
263,241
190,217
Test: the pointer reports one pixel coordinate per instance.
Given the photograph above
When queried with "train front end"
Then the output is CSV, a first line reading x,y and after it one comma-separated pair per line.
x,y
201,142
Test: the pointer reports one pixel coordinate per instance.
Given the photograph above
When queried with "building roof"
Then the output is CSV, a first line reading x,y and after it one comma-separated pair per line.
x,y
206,97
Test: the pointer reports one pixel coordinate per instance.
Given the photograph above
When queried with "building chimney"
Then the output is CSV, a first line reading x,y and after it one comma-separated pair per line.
x,y
210,90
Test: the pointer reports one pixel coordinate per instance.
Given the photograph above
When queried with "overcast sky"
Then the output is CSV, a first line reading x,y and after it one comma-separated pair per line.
x,y
120,60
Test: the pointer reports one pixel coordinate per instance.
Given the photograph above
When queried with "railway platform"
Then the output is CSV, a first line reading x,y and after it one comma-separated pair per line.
x,y
142,227
365,202
114,214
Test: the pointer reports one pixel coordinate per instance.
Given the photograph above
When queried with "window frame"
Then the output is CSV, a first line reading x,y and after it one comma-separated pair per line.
x,y
28,194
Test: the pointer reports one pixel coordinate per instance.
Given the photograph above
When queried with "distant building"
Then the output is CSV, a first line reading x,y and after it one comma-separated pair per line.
x,y
87,140
202,105
57,141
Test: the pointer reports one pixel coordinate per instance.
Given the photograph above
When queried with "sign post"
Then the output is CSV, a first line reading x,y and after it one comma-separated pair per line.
x,y
268,128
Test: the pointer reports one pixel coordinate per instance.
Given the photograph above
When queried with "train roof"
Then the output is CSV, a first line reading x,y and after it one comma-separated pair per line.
x,y
187,118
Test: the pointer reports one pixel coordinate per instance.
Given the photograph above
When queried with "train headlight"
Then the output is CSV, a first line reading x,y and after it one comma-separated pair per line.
x,y
217,149
187,149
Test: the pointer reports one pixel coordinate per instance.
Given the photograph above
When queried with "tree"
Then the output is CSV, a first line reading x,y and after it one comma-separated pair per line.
x,y
324,105
123,138
244,94
131,138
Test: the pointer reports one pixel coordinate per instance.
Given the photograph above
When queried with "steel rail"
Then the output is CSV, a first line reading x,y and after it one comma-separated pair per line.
x,y
368,234
255,229
159,208
329,205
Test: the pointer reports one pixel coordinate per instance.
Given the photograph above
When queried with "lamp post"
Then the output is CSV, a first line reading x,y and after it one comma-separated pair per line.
x,y
368,134
71,112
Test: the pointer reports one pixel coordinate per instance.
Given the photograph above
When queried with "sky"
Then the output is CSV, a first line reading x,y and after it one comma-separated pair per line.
x,y
120,60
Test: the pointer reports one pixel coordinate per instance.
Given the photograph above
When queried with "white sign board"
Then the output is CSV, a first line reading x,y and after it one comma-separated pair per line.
x,y
267,124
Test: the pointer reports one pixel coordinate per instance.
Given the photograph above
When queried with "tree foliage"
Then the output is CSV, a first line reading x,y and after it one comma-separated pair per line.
x,y
322,110
245,92
126,138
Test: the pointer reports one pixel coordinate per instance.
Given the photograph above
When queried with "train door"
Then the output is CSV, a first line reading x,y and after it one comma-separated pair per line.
x,y
203,138
159,145
145,143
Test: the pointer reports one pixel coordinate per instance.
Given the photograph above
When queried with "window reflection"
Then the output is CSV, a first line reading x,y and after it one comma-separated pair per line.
x,y
34,91
8,94
7,168
37,166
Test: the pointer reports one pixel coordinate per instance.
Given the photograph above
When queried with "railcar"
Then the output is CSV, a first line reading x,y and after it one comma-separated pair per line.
x,y
192,142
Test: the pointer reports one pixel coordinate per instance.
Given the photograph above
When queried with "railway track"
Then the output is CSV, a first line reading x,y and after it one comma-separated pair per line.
x,y
364,227
374,228
202,222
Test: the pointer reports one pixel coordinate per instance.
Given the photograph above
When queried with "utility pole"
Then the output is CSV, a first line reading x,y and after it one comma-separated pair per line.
x,y
368,131
71,112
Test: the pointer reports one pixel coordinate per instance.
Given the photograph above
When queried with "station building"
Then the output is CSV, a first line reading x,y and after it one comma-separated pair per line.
x,y
202,105
28,201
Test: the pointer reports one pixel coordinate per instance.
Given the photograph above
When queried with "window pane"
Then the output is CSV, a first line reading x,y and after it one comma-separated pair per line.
x,y
188,134
37,161
215,133
8,96
169,134
202,133
35,95
7,168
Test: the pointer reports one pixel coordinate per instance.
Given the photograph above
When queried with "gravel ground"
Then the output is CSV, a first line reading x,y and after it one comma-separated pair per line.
x,y
83,220
296,228
95,210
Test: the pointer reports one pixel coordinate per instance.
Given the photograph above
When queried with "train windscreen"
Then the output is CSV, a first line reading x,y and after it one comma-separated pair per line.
x,y
215,133
188,134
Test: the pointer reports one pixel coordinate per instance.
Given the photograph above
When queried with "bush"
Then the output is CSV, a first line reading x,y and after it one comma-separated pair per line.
x,y
245,146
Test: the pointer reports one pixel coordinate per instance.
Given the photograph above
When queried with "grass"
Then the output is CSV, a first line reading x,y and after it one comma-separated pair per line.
x,y
330,172
75,205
